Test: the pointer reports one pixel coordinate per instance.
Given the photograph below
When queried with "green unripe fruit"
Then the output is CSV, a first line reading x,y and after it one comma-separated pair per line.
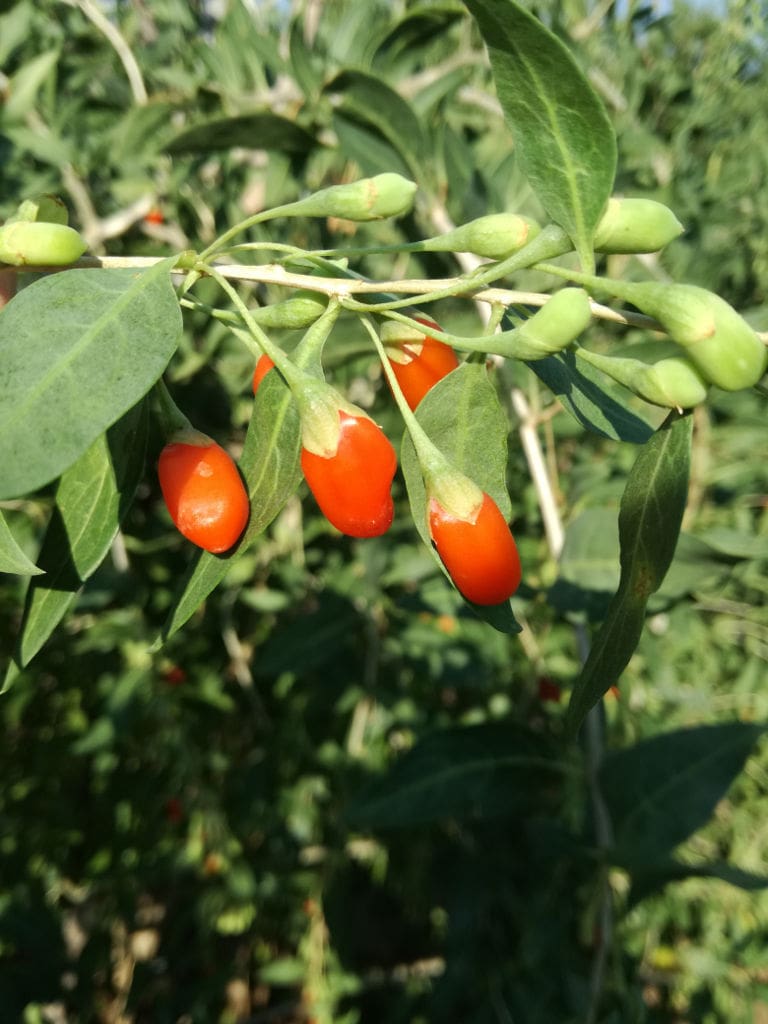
x,y
494,236
47,208
719,342
671,380
38,244
293,314
554,327
385,195
635,225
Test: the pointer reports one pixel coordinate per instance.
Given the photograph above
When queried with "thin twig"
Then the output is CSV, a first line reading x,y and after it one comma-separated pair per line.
x,y
119,44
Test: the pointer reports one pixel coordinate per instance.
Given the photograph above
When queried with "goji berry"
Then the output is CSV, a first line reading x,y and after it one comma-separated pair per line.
x,y
263,366
154,216
480,553
419,364
203,491
352,486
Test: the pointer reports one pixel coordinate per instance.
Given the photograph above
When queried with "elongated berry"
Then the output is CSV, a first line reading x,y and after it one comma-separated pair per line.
x,y
352,486
636,225
40,244
479,552
419,361
203,491
263,365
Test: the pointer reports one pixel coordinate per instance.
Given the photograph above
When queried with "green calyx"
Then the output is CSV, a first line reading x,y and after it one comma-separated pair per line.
x,y
385,195
635,226
319,408
454,492
658,374
554,327
40,244
46,208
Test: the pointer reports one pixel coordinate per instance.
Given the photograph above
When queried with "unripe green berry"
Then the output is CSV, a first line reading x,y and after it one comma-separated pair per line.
x,y
39,244
385,195
719,342
293,314
669,379
635,225
554,327
494,236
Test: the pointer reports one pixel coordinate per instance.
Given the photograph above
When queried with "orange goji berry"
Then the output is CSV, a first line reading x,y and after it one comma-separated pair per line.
x,y
203,491
480,554
352,487
419,365
263,365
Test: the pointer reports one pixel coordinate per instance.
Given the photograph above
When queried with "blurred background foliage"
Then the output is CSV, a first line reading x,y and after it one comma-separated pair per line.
x,y
195,833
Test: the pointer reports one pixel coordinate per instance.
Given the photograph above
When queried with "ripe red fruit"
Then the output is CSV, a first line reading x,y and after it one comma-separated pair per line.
x,y
263,366
426,362
174,811
203,491
549,691
352,487
155,216
480,555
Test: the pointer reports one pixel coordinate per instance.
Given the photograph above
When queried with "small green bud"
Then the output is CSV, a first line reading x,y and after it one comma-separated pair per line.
x,y
671,381
293,314
635,225
554,327
494,236
385,195
719,342
39,244
47,208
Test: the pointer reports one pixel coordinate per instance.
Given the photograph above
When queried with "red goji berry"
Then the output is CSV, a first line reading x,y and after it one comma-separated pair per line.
x,y
425,362
263,366
154,216
203,491
549,691
352,487
480,554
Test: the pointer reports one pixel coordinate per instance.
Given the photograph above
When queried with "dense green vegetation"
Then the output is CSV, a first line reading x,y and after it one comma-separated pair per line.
x,y
279,813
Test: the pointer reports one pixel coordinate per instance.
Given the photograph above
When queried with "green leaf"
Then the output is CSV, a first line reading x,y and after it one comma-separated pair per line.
x,y
12,558
651,511
590,555
648,879
463,417
661,790
565,141
263,130
471,772
24,86
270,464
92,499
77,350
586,394
369,100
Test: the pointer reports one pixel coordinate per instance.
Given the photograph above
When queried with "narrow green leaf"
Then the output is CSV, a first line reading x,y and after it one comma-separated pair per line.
x,y
270,464
564,137
479,771
12,558
366,147
463,417
24,86
263,130
92,498
661,790
648,879
369,100
77,350
651,511
591,399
